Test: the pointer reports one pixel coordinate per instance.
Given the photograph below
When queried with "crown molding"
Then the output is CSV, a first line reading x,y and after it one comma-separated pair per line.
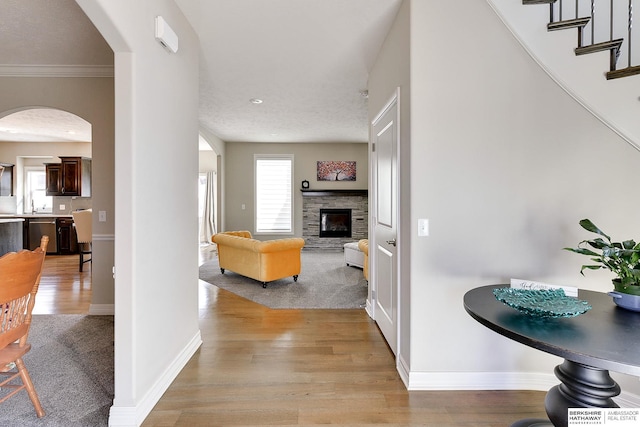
x,y
56,70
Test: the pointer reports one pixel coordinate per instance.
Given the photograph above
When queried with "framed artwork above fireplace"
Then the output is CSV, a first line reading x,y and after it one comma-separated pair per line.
x,y
336,170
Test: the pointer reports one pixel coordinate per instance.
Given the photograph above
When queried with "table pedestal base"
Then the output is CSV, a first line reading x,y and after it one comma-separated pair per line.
x,y
581,387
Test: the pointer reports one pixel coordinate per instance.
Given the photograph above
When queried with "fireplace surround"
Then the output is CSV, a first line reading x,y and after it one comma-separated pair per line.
x,y
315,200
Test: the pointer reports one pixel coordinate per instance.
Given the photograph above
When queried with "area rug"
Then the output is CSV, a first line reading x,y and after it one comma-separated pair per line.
x,y
325,281
71,365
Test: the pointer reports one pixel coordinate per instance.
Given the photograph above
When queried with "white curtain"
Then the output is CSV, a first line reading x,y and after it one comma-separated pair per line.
x,y
208,226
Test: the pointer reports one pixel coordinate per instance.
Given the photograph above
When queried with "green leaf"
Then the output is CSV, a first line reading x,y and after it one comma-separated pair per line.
x,y
582,251
597,243
590,267
628,244
590,226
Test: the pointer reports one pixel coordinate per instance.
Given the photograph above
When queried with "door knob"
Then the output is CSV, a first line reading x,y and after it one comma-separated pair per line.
x,y
391,242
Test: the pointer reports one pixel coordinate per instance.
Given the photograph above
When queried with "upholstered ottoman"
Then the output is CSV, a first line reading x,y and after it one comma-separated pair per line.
x,y
352,255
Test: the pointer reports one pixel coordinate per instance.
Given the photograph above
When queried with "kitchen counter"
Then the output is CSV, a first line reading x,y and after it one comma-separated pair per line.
x,y
36,215
6,220
28,229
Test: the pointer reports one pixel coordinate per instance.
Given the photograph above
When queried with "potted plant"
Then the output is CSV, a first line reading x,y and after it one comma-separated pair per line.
x,y
621,258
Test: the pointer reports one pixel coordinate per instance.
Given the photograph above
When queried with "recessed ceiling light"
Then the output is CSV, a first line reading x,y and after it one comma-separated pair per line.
x,y
255,101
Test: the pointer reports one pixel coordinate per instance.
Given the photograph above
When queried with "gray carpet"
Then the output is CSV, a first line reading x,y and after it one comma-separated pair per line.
x,y
325,281
71,365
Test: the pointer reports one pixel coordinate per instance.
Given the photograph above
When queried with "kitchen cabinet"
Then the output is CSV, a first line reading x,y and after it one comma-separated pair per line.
x,y
6,180
54,178
67,240
71,177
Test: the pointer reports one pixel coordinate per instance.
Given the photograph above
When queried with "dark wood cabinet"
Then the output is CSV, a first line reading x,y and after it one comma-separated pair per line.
x,y
67,240
6,180
71,177
54,178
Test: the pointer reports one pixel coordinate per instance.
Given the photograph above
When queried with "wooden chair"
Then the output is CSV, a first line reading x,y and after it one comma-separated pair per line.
x,y
19,280
82,220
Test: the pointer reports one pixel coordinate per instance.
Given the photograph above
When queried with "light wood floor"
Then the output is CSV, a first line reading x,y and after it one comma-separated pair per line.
x,y
259,366
63,289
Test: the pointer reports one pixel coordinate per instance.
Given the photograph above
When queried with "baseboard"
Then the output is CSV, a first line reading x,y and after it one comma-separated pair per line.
x,y
369,308
134,416
628,400
434,381
403,370
480,381
102,309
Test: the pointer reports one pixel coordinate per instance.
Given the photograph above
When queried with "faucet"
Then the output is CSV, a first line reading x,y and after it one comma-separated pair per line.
x,y
33,209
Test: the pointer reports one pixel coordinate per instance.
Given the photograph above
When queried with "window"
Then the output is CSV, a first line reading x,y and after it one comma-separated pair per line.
x,y
35,190
274,193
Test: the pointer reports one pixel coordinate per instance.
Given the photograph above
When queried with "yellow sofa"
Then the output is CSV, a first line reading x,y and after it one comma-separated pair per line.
x,y
263,261
363,245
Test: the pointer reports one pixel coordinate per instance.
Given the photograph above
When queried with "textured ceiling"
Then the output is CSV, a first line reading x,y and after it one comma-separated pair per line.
x,y
307,60
44,125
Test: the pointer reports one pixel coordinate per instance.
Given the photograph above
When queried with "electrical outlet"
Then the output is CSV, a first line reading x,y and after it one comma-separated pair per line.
x,y
63,207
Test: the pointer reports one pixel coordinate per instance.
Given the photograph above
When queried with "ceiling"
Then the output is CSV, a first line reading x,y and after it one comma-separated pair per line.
x,y
306,60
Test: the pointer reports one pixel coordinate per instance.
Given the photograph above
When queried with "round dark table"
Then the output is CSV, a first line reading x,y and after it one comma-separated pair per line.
x,y
602,339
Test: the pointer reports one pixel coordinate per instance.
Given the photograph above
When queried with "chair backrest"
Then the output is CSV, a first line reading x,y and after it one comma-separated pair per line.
x,y
19,280
83,222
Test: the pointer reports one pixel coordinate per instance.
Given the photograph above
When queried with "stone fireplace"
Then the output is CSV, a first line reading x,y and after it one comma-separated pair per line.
x,y
341,209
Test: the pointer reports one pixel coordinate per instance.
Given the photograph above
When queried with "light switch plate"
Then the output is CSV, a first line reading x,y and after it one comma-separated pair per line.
x,y
423,227
102,216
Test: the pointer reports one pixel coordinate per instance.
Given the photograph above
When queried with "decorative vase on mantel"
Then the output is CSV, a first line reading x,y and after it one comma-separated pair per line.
x,y
626,296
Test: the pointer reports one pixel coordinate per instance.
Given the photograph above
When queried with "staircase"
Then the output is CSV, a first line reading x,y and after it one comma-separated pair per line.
x,y
602,25
614,101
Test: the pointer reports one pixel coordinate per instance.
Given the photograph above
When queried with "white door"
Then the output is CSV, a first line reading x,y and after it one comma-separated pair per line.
x,y
384,265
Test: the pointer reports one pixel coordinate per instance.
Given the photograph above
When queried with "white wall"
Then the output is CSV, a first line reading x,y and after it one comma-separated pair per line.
x,y
156,322
504,164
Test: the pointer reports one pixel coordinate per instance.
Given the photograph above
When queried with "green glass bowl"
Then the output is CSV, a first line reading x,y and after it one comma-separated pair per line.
x,y
550,303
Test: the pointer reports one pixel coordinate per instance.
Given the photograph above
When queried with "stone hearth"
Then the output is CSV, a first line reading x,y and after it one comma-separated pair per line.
x,y
314,200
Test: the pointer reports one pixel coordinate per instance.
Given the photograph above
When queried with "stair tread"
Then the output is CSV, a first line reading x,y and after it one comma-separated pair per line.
x,y
598,47
568,23
624,72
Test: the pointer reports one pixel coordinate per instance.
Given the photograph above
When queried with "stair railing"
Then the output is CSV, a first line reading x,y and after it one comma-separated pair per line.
x,y
606,24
